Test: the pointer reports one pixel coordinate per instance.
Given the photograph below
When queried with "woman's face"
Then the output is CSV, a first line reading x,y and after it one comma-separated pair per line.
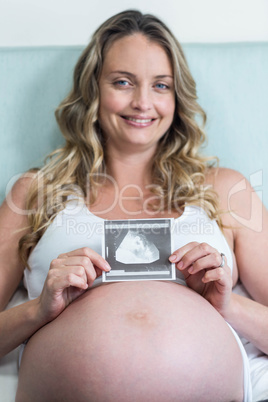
x,y
137,98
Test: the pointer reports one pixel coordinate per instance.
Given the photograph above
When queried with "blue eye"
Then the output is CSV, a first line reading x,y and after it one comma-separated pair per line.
x,y
122,83
161,86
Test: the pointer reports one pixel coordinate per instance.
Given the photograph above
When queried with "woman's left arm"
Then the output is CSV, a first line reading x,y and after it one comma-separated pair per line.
x,y
250,319
249,221
246,223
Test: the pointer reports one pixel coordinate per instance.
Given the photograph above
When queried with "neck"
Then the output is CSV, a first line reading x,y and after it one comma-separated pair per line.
x,y
130,170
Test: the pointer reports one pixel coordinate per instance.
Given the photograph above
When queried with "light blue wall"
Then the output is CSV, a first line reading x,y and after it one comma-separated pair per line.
x,y
232,87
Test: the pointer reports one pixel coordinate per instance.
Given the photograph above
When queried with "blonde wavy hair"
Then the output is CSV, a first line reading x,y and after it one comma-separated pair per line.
x,y
178,172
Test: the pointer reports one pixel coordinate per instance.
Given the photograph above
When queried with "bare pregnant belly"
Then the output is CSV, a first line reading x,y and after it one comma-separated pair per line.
x,y
133,341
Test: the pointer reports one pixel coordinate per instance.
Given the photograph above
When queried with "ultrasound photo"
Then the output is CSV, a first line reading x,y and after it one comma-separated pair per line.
x,y
138,250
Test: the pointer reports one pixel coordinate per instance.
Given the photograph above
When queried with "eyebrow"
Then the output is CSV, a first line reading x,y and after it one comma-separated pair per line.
x,y
133,75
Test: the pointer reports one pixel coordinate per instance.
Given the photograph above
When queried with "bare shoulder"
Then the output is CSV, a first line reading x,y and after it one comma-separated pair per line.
x,y
17,196
13,225
231,186
225,178
245,212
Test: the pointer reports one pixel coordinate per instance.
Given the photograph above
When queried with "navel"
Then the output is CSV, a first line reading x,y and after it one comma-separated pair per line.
x,y
141,317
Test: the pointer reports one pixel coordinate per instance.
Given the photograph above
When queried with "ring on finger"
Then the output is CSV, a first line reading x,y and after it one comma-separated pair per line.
x,y
222,261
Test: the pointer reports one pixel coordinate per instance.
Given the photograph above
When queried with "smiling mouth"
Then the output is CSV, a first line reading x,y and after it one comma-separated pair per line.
x,y
138,120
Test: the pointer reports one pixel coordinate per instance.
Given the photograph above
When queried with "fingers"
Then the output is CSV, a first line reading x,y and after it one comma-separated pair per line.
x,y
181,252
213,275
210,261
81,265
195,257
94,257
59,278
192,252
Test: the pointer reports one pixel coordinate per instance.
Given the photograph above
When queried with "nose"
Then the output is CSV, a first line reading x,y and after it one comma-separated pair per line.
x,y
142,99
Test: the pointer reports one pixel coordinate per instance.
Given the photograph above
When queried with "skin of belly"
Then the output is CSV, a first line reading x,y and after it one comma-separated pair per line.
x,y
133,341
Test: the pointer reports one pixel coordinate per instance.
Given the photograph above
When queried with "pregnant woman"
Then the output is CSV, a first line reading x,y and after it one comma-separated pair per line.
x,y
131,152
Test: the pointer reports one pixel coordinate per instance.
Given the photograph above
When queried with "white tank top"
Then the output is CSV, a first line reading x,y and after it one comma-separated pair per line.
x,y
76,227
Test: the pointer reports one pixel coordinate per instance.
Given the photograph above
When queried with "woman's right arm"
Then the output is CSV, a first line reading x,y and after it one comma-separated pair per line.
x,y
18,323
69,276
